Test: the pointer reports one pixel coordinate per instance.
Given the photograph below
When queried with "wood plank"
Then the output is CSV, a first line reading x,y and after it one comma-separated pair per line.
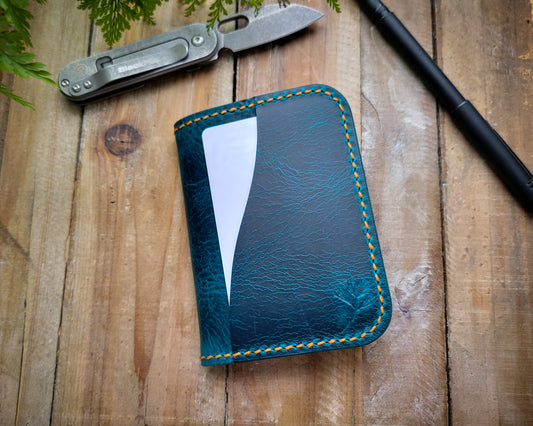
x,y
11,320
399,143
6,80
130,345
400,140
486,49
317,388
36,187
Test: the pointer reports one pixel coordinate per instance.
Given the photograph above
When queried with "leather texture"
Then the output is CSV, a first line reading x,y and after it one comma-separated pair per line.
x,y
211,296
307,274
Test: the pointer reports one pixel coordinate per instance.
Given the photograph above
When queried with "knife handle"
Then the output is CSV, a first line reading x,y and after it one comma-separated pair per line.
x,y
88,79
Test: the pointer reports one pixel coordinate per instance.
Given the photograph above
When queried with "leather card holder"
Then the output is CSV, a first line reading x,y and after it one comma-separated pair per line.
x,y
284,247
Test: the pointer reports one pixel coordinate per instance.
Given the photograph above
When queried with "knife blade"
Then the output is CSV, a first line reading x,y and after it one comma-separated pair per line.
x,y
124,68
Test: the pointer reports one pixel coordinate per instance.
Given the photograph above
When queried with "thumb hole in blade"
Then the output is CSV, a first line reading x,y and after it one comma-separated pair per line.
x,y
232,24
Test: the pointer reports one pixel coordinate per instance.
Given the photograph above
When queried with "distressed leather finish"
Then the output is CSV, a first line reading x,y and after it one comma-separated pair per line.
x,y
307,272
211,296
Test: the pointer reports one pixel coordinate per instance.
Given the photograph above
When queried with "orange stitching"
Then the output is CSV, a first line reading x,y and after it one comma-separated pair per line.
x,y
363,206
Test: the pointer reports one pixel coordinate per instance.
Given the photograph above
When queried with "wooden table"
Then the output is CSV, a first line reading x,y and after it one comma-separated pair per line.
x,y
98,319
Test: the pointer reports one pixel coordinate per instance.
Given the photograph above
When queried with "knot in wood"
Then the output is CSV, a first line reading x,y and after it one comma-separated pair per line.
x,y
122,139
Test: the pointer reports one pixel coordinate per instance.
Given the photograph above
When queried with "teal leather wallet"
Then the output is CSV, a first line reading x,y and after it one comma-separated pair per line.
x,y
284,248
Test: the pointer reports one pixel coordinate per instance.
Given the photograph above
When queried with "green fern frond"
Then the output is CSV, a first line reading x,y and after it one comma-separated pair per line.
x,y
335,5
115,16
14,39
9,93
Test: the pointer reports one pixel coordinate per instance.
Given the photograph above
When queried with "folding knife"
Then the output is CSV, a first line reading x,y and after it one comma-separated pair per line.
x,y
124,68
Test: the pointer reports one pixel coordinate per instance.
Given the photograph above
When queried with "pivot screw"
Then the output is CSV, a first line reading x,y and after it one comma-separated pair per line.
x,y
197,40
65,83
88,84
76,88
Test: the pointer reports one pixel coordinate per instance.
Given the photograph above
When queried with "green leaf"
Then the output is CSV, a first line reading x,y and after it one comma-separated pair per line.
x,y
9,93
115,16
192,6
17,17
335,5
14,39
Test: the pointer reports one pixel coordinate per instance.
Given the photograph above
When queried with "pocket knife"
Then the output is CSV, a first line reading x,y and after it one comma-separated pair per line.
x,y
124,68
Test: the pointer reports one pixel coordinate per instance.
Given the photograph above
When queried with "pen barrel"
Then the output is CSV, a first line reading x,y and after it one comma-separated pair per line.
x,y
496,152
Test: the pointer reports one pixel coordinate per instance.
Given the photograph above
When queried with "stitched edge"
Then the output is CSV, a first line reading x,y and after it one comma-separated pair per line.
x,y
364,219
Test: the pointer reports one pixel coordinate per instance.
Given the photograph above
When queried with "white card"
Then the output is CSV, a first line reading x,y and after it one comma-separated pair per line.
x,y
230,151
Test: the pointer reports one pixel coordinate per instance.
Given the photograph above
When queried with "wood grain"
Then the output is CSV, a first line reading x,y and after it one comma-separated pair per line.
x,y
36,186
98,321
129,338
486,49
400,143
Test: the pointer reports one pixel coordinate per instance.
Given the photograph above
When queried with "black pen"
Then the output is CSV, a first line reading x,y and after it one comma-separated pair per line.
x,y
485,139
